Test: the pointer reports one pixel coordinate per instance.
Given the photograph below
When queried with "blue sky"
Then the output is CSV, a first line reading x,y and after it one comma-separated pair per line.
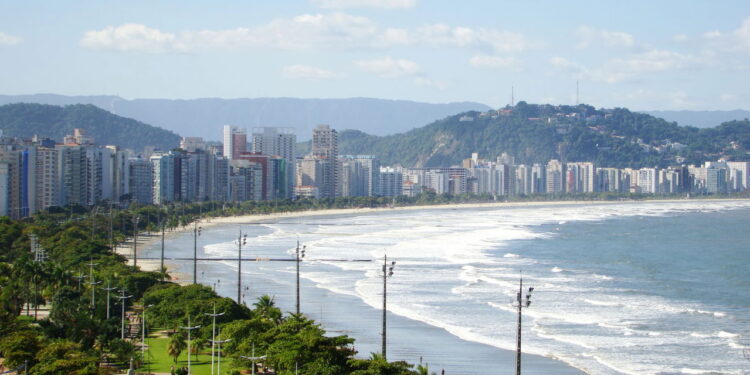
x,y
643,55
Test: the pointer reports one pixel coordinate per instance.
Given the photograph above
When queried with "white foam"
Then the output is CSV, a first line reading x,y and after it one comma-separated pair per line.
x,y
511,255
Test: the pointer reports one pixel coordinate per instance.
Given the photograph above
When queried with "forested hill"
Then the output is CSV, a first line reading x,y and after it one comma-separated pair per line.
x,y
536,133
26,120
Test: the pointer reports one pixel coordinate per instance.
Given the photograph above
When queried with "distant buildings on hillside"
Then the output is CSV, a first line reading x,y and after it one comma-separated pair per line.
x,y
39,173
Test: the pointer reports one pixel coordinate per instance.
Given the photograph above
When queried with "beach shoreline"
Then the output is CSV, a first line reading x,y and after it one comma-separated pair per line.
x,y
152,241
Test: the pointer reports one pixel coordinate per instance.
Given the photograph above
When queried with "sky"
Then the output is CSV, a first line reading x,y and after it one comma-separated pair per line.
x,y
644,55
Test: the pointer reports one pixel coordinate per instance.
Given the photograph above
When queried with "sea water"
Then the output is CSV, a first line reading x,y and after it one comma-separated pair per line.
x,y
626,288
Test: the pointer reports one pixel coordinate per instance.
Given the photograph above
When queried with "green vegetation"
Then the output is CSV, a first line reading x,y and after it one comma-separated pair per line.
x,y
537,133
26,120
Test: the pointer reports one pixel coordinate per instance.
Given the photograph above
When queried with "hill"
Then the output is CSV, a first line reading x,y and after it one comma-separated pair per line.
x,y
205,117
700,119
536,133
26,120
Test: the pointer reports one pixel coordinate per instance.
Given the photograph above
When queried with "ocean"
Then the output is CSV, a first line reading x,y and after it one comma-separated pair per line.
x,y
626,288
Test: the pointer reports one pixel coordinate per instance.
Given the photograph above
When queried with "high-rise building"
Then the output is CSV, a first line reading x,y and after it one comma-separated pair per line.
x,y
165,177
325,147
554,177
140,179
278,142
80,174
235,142
46,178
359,175
391,182
192,144
246,181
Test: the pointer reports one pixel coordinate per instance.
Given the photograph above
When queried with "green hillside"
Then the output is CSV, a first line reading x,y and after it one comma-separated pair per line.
x,y
26,120
536,133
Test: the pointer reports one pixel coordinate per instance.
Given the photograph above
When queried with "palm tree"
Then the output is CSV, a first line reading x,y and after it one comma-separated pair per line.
x,y
264,302
197,345
176,345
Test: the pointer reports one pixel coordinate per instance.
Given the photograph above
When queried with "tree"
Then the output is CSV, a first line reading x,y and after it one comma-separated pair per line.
x,y
177,344
197,345
65,357
377,365
19,347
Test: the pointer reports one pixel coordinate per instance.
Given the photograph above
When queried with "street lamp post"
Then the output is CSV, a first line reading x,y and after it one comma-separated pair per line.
x,y
300,253
196,233
241,240
161,258
108,289
387,272
80,278
136,219
93,284
522,302
189,329
218,367
213,334
143,335
253,358
122,298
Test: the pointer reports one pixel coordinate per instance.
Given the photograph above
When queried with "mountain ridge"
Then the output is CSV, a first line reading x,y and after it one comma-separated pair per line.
x,y
204,117
28,119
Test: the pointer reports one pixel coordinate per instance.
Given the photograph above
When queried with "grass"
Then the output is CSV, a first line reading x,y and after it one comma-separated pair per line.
x,y
160,361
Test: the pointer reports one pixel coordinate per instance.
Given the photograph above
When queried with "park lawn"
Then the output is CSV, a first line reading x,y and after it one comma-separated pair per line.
x,y
160,361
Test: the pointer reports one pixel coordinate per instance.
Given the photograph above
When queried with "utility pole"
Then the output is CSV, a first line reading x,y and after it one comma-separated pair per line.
x,y
521,303
143,334
122,298
189,329
240,241
108,289
253,358
136,219
300,254
218,369
387,272
213,334
196,233
161,258
93,284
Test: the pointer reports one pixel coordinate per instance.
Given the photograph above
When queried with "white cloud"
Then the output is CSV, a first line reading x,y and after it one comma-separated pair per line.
x,y
305,32
743,34
618,70
426,82
728,97
588,36
384,4
680,38
308,72
712,34
496,62
499,40
129,37
388,67
9,40
628,68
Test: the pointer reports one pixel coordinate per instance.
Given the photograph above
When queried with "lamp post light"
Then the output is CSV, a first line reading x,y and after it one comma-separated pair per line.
x,y
122,298
136,219
241,240
196,232
219,342
189,328
162,223
387,272
522,302
108,289
213,334
253,358
300,253
143,335
80,278
93,284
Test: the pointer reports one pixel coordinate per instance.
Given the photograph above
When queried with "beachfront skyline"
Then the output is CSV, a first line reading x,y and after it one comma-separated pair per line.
x,y
643,55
